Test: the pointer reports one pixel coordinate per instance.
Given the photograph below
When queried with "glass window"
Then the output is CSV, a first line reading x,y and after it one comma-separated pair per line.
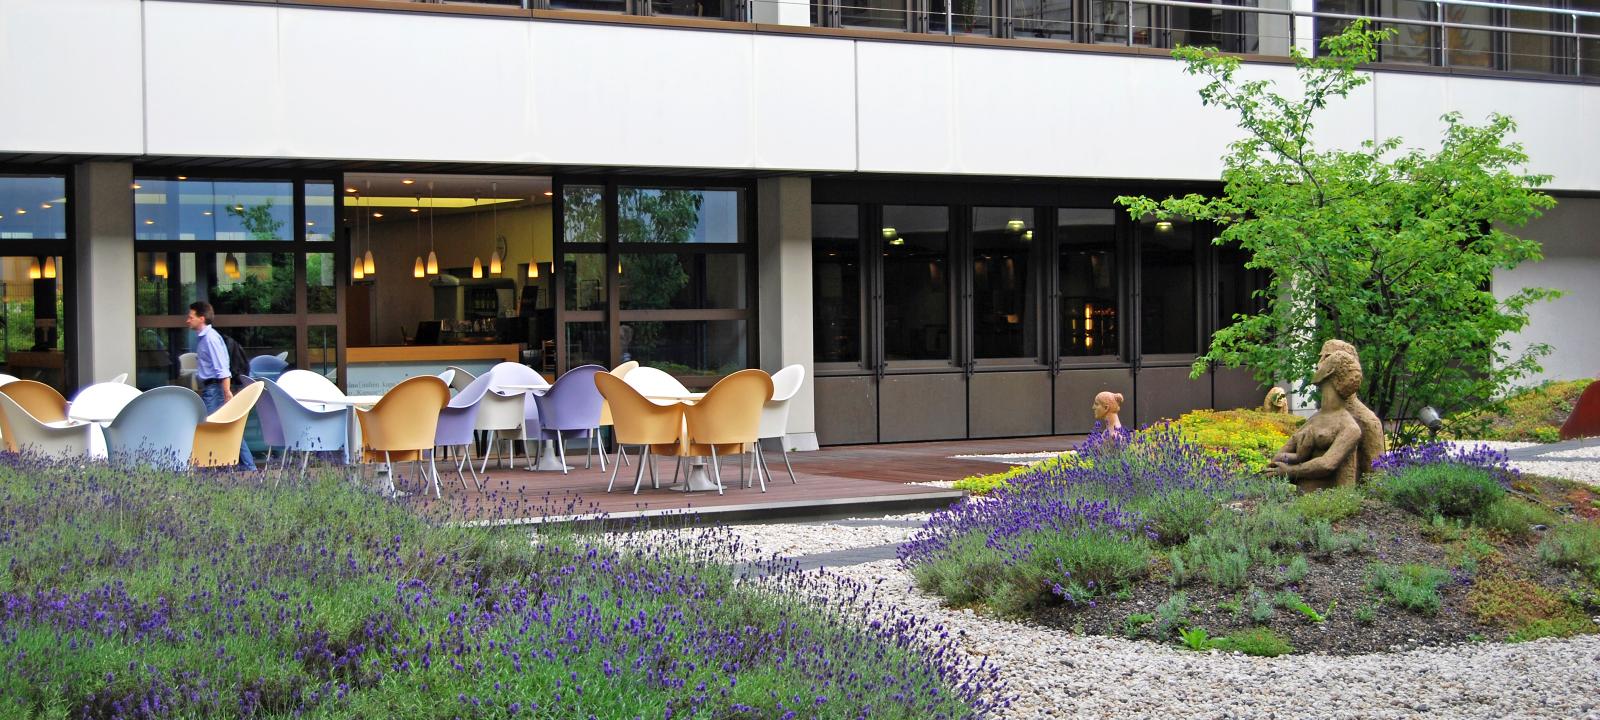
x,y
236,283
585,279
1469,48
672,215
166,356
1526,52
322,350
1167,317
588,343
1109,20
1332,27
691,347
836,283
319,211
880,14
916,310
33,208
690,8
322,275
971,17
1043,19
616,6
1202,27
683,281
1091,299
213,210
583,214
1005,285
1237,285
33,313
1589,49
1413,44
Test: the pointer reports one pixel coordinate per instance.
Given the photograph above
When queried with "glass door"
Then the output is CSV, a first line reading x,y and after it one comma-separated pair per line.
x,y
32,320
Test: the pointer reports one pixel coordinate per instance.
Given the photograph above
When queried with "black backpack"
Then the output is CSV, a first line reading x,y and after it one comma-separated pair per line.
x,y
238,364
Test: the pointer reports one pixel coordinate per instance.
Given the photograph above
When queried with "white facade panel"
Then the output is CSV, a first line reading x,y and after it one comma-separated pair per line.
x,y
1571,264
70,76
211,80
905,108
804,110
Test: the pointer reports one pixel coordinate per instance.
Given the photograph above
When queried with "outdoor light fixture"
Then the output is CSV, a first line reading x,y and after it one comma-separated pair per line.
x,y
50,268
161,267
1015,225
1430,419
231,267
1164,226
33,269
477,268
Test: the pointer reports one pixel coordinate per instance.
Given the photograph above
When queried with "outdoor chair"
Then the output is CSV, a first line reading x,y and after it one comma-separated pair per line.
x,y
309,387
119,378
509,416
22,431
572,404
4,378
217,439
458,426
40,400
271,424
619,371
268,366
775,415
461,379
404,423
304,429
188,369
637,421
101,401
654,383
156,428
728,419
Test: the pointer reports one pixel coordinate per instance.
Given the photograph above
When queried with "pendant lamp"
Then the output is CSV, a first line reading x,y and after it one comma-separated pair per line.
x,y
50,268
433,258
368,266
33,269
494,263
494,212
477,268
231,267
161,266
418,271
533,269
358,271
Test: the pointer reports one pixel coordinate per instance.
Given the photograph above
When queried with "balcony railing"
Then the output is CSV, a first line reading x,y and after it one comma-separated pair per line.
x,y
1557,38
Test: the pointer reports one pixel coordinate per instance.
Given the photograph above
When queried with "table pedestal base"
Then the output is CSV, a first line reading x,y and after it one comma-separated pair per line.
x,y
548,460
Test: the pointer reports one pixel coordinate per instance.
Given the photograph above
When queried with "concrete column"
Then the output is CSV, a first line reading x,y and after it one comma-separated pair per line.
x,y
783,206
102,212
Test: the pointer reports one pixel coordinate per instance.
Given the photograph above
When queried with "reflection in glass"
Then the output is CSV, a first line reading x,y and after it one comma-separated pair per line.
x,y
583,214
319,211
675,215
1091,303
1005,284
321,276
33,313
1589,48
916,310
1108,23
836,283
33,207
588,343
213,210
166,355
970,17
661,281
585,280
691,347
1237,285
880,14
690,8
322,350
1470,48
1414,44
1332,27
1167,317
251,283
1051,19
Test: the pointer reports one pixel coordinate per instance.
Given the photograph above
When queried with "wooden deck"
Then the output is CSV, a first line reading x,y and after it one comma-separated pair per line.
x,y
846,479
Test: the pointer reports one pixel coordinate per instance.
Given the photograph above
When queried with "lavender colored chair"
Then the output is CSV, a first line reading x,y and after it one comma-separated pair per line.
x,y
571,405
306,430
458,424
156,428
271,426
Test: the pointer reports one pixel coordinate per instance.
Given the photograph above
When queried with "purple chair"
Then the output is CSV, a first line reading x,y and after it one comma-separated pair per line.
x,y
457,423
572,404
271,429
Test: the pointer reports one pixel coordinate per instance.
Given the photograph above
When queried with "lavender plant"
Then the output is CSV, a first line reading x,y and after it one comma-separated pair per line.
x,y
137,593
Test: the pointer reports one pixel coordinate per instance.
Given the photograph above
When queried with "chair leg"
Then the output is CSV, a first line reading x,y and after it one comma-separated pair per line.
x,y
588,457
487,449
389,475
614,468
716,469
622,453
638,477
511,449
594,438
676,469
655,481
762,472
791,467
561,452
434,468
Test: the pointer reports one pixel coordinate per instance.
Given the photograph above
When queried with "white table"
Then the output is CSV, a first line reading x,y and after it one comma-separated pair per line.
x,y
352,428
548,461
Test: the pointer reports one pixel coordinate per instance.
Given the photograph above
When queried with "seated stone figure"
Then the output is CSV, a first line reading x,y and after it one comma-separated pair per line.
x,y
1324,452
1106,405
1372,441
1277,401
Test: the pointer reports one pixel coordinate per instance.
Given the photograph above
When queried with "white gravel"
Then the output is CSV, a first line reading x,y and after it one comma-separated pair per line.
x,y
1583,452
1584,472
1055,674
945,484
811,538
1493,444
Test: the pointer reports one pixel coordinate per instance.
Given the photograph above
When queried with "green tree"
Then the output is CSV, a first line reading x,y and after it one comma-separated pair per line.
x,y
1392,250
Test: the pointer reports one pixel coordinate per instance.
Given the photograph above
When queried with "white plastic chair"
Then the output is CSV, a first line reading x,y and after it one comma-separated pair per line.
x,y
651,381
448,376
505,414
188,369
309,387
120,378
101,401
775,413
4,378
462,378
61,439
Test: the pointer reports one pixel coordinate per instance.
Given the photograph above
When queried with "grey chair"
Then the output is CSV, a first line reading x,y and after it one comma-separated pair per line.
x,y
156,428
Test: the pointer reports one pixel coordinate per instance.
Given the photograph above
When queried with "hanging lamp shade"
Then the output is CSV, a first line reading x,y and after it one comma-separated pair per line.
x,y
357,272
433,263
50,268
477,268
533,269
33,269
494,263
367,265
231,267
161,267
419,271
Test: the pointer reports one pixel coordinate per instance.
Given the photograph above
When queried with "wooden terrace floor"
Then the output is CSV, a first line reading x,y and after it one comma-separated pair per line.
x,y
854,478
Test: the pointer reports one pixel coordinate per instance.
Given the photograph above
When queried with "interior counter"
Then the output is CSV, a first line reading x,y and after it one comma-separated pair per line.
x,y
372,370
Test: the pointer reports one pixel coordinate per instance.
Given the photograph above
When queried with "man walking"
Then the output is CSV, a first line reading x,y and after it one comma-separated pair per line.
x,y
211,366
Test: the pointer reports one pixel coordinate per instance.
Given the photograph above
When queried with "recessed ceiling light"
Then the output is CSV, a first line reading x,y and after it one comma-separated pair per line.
x,y
206,213
136,186
407,181
148,221
547,193
309,223
350,189
183,177
240,208
416,210
20,211
45,205
377,215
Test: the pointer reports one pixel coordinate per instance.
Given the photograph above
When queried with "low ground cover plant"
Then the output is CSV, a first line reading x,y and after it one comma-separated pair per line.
x,y
1531,415
1247,437
152,595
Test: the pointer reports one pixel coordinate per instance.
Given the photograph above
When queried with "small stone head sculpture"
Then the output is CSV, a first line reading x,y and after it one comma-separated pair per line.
x,y
1106,405
1277,401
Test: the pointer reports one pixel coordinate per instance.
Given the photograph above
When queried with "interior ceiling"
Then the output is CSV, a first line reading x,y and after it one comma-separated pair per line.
x,y
484,188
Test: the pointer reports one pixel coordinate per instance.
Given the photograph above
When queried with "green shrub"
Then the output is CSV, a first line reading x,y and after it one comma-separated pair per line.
x,y
1178,515
1261,642
1171,614
1514,517
1226,569
1248,438
1294,571
1094,563
1573,545
1136,622
1440,490
1413,587
1331,505
1196,639
1260,606
1556,628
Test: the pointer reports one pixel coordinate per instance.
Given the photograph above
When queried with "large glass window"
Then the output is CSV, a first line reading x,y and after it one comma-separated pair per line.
x,y
1091,317
663,281
690,8
967,17
254,210
1167,301
1588,50
1469,48
1237,285
687,348
235,283
33,208
1413,44
879,14
584,276
679,215
1005,283
836,283
33,275
916,265
1527,52
1043,19
1109,22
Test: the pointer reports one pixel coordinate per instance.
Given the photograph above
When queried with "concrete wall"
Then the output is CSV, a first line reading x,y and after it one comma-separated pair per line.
x,y
1570,233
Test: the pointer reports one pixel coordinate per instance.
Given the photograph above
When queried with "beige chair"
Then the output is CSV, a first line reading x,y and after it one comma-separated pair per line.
x,y
639,422
403,424
216,441
620,371
23,431
727,420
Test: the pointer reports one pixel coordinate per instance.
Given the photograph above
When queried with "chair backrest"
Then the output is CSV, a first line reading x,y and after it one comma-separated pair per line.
x,y
101,401
573,402
622,370
22,431
216,441
302,427
461,379
268,365
157,428
472,392
636,420
40,400
189,361
119,378
307,385
407,417
4,378
267,410
775,413
511,373
651,381
448,376
731,410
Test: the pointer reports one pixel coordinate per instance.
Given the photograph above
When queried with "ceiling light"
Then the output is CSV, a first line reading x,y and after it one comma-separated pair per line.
x,y
416,210
1163,225
207,213
349,189
50,267
898,241
136,186
1015,225
433,263
33,269
161,267
1027,235
888,233
477,268
377,214
231,267
46,206
547,193
367,263
494,263
238,207
149,221
183,177
357,272
407,181
418,271
533,270
20,211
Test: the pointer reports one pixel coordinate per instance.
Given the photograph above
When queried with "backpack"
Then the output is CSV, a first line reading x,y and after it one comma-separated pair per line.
x,y
238,364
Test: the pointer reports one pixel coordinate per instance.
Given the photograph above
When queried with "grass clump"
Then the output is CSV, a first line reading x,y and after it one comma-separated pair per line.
x,y
1554,628
1331,505
1413,587
1514,517
1447,490
1260,642
1574,545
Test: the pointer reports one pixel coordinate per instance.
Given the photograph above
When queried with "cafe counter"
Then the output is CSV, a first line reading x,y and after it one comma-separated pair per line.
x,y
372,370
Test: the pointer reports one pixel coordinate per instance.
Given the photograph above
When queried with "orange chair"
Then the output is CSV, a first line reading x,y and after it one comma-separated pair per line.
x,y
40,400
403,424
638,421
619,371
727,419
216,441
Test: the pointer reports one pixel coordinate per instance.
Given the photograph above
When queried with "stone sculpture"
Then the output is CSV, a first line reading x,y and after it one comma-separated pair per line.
x,y
1325,451
1106,405
1277,401
1373,443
